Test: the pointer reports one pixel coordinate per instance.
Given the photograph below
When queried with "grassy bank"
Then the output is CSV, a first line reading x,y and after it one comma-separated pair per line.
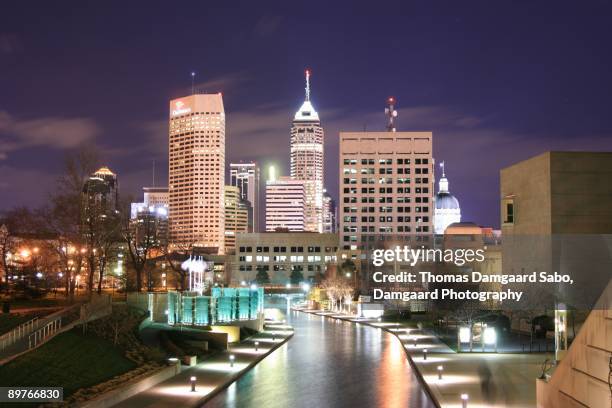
x,y
70,360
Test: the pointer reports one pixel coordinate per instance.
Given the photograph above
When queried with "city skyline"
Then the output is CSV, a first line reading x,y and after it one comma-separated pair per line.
x,y
476,101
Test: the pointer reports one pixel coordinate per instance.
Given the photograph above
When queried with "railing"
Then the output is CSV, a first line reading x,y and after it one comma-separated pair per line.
x,y
19,332
44,333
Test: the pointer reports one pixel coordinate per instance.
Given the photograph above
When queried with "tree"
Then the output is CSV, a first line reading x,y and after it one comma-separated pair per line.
x,y
64,217
141,238
175,258
296,276
262,276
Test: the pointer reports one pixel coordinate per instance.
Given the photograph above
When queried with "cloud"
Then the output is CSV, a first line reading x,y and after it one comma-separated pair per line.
x,y
224,83
10,43
267,25
52,132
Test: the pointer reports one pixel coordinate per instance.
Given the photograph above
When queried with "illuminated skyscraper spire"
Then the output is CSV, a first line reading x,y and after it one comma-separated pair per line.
x,y
308,85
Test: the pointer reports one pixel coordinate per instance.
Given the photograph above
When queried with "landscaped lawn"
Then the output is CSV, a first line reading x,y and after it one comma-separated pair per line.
x,y
70,360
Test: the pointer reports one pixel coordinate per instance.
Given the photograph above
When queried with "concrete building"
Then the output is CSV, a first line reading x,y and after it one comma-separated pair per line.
x,y
386,186
329,213
236,216
280,253
447,209
197,171
155,199
307,160
246,176
556,216
285,202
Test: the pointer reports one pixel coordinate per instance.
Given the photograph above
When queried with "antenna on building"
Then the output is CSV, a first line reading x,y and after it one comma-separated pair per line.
x,y
307,84
192,83
442,167
391,114
153,173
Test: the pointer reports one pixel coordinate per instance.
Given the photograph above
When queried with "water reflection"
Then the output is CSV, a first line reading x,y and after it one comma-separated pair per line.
x,y
329,364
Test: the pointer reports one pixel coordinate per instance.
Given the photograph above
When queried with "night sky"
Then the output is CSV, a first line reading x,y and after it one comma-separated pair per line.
x,y
496,82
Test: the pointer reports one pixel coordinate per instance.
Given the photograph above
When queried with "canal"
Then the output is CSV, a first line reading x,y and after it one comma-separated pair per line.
x,y
329,363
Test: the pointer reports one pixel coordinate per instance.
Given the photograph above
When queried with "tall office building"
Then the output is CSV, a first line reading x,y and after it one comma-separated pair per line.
x,y
285,202
101,191
329,213
307,159
386,186
236,216
197,171
245,176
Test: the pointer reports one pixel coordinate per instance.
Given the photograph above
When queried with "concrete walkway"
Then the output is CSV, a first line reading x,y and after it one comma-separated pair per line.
x,y
213,374
491,380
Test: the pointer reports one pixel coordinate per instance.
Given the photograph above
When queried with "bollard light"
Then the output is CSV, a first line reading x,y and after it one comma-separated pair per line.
x,y
273,336
193,382
424,354
440,368
232,358
256,346
380,319
414,339
464,400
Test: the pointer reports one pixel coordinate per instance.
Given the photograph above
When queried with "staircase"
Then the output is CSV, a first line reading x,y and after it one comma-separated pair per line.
x,y
582,378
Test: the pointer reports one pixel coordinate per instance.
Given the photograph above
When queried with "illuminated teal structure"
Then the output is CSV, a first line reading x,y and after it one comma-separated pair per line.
x,y
223,306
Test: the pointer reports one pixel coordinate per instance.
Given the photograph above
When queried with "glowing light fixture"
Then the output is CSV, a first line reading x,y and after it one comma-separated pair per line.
x,y
192,380
440,369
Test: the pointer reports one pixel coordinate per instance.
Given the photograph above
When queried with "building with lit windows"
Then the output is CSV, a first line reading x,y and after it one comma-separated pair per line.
x,y
281,253
329,213
197,171
245,176
386,186
307,160
236,216
101,192
285,203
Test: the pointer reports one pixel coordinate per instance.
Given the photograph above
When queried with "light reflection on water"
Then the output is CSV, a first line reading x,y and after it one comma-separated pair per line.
x,y
329,364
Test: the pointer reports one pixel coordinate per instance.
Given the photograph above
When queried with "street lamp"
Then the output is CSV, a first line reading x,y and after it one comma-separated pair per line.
x,y
193,383
464,400
232,358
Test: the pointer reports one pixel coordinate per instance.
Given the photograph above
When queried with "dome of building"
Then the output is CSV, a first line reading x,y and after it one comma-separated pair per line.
x,y
446,201
447,210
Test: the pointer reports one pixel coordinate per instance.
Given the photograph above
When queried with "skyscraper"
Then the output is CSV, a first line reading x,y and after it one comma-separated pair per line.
x,y
386,186
197,171
447,206
245,176
101,191
285,199
236,216
307,159
329,213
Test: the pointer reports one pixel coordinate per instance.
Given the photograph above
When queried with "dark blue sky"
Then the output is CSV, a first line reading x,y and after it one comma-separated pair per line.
x,y
496,81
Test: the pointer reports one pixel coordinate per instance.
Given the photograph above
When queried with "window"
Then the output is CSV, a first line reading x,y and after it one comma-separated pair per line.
x,y
508,211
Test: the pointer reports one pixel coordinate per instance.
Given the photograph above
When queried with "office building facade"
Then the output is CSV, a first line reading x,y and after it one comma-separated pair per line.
x,y
197,171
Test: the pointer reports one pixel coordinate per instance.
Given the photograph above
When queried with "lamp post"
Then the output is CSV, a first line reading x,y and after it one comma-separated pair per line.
x,y
464,400
193,383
